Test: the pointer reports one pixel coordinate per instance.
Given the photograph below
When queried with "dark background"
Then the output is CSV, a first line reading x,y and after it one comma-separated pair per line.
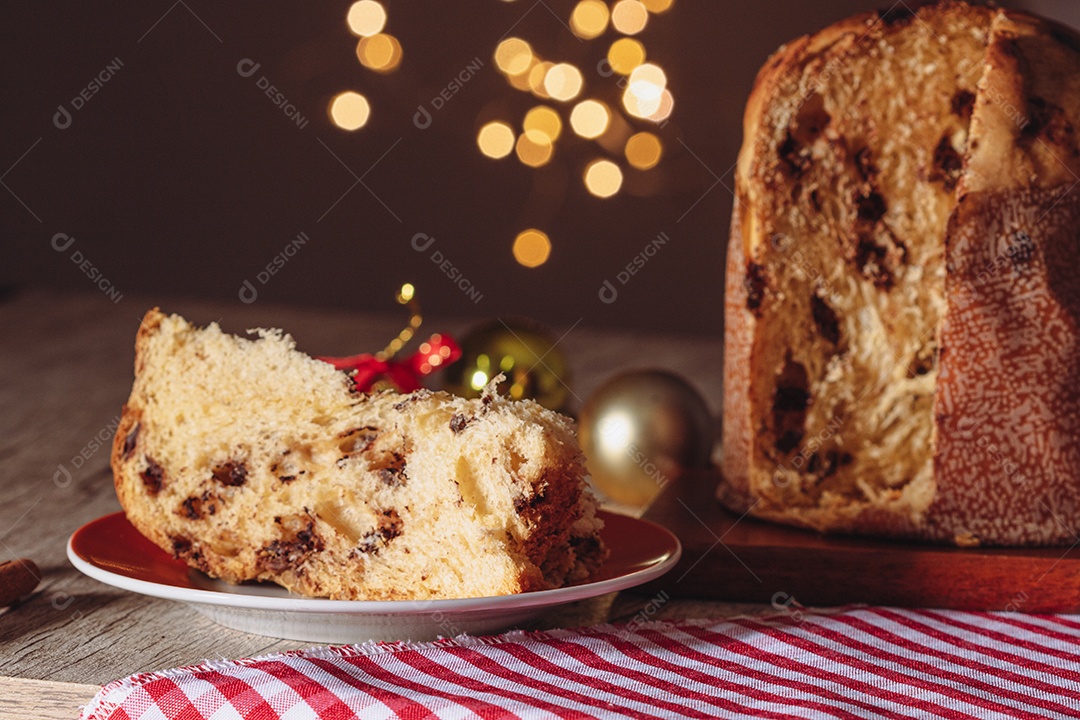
x,y
181,178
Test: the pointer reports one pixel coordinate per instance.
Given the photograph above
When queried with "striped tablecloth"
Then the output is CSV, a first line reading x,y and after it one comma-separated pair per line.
x,y
852,663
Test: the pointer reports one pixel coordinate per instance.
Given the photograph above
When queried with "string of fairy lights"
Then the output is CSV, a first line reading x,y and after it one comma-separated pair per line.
x,y
609,126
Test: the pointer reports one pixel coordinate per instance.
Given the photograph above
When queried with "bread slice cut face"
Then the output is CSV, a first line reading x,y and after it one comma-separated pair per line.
x,y
253,461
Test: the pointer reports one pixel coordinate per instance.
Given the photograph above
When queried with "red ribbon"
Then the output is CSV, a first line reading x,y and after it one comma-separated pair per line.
x,y
404,375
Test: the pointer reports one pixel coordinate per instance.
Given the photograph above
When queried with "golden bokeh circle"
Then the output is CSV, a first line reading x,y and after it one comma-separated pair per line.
x,y
625,54
381,52
603,178
532,248
649,73
350,110
643,150
664,108
366,18
563,81
590,119
629,16
658,6
534,148
646,95
535,79
513,56
545,120
495,140
589,19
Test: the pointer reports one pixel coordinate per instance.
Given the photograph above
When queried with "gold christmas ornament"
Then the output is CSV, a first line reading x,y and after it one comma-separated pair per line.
x,y
639,430
522,351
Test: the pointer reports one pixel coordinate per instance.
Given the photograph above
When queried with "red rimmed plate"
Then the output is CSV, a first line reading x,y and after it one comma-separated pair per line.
x,y
112,551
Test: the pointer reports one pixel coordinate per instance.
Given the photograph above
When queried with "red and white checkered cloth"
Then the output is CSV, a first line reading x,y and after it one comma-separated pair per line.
x,y
855,663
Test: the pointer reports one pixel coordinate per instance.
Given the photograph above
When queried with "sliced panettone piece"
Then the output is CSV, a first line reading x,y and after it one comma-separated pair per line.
x,y
878,194
253,461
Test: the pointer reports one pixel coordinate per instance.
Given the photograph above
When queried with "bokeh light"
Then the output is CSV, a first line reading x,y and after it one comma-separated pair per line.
x,y
643,150
666,105
521,80
534,148
658,6
496,140
513,56
629,16
536,79
349,110
650,74
603,178
532,248
563,81
366,18
625,54
380,52
598,119
544,120
590,118
643,102
644,96
589,19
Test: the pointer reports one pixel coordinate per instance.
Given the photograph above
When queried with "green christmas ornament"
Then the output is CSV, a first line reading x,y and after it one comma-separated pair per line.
x,y
639,430
521,350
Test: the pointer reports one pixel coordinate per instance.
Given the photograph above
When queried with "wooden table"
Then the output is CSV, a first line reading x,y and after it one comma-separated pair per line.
x,y
66,364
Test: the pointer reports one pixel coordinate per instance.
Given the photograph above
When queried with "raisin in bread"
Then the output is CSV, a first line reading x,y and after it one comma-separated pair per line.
x,y
253,461
903,298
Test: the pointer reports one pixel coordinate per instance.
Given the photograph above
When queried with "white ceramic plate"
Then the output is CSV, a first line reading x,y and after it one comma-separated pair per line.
x,y
112,551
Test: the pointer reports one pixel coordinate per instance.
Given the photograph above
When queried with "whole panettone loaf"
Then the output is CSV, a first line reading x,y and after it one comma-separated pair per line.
x,y
253,461
903,281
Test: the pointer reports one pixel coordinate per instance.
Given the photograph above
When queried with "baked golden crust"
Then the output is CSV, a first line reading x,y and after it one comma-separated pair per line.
x,y
1007,408
1029,99
740,326
834,414
252,461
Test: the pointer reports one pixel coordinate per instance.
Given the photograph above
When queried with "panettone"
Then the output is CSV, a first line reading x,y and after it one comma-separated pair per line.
x,y
252,461
902,349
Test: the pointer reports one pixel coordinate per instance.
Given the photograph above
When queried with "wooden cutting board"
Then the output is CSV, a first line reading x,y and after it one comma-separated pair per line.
x,y
746,560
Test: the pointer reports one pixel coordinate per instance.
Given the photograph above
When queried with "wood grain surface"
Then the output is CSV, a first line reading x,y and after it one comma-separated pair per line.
x,y
726,557
65,370
22,699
